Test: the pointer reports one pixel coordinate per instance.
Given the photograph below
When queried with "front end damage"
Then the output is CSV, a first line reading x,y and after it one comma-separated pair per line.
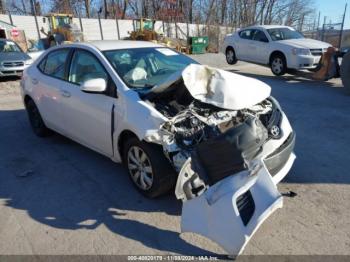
x,y
231,144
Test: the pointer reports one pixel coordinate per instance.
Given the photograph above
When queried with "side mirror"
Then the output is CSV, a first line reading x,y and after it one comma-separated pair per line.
x,y
97,85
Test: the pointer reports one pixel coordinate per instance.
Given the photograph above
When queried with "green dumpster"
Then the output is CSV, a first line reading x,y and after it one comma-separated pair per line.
x,y
199,44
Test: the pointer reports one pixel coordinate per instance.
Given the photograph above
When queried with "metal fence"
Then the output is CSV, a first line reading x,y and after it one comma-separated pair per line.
x,y
331,33
115,29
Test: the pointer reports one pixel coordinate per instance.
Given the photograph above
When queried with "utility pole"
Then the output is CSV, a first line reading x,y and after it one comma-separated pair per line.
x,y
2,9
318,20
342,26
323,27
106,9
318,25
32,4
99,21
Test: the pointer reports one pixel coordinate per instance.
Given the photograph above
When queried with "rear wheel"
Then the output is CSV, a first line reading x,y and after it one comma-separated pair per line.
x,y
148,168
35,120
278,64
231,58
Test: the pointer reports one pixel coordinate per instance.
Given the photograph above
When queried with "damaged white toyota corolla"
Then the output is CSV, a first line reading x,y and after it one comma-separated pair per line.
x,y
220,135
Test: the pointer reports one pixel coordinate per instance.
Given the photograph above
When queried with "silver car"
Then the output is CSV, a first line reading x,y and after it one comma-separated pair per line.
x,y
12,59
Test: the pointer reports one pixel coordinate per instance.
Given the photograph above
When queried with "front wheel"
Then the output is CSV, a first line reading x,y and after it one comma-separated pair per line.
x,y
148,168
278,65
231,58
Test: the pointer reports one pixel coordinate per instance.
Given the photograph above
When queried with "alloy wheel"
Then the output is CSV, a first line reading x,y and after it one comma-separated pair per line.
x,y
140,168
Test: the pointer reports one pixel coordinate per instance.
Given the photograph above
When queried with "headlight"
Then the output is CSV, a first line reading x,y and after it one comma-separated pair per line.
x,y
28,62
301,51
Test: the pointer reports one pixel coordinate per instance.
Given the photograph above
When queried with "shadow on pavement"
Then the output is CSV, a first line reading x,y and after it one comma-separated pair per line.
x,y
67,186
9,78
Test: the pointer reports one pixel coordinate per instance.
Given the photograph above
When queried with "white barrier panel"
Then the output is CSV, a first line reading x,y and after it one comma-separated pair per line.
x,y
125,26
109,29
91,29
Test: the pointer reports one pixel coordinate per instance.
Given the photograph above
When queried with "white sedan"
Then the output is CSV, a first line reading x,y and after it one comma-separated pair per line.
x,y
170,121
280,47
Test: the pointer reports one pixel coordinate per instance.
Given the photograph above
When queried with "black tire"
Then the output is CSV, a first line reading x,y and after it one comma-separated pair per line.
x,y
231,58
345,72
36,121
163,175
278,64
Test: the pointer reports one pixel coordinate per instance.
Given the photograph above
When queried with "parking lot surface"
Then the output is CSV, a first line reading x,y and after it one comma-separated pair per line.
x,y
57,197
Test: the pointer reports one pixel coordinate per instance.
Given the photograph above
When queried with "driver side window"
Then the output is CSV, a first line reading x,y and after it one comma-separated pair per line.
x,y
85,66
260,36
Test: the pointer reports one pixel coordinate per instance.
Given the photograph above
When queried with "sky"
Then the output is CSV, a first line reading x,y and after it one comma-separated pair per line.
x,y
334,10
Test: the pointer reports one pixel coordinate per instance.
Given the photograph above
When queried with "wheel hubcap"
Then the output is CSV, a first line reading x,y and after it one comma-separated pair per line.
x,y
140,168
230,56
277,65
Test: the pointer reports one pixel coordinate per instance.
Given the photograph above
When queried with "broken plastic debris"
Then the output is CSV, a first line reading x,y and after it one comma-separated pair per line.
x,y
289,194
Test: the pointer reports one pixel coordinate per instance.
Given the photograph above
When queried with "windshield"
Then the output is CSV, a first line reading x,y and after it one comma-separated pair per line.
x,y
146,67
9,46
284,33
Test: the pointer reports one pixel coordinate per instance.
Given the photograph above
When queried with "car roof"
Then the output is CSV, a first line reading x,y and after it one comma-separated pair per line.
x,y
267,27
105,45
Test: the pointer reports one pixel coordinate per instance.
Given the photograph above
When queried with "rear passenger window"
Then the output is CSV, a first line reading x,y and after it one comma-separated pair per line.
x,y
55,63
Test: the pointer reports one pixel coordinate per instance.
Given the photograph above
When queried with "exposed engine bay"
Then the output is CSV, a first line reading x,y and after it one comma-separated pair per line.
x,y
231,143
219,141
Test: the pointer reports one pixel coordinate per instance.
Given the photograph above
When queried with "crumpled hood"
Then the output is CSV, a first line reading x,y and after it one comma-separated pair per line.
x,y
224,89
306,43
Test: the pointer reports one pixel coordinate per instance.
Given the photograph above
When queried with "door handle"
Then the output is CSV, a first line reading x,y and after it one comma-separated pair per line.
x,y
65,93
35,81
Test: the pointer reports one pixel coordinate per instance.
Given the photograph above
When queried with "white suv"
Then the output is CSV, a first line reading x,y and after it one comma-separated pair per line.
x,y
280,47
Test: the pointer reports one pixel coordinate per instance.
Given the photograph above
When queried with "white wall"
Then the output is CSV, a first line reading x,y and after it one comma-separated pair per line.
x,y
91,29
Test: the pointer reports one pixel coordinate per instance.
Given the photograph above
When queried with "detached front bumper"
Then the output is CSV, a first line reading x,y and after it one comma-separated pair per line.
x,y
230,212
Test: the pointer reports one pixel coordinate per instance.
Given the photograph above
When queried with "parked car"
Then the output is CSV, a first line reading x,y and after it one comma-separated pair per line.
x,y
12,59
280,47
170,120
37,48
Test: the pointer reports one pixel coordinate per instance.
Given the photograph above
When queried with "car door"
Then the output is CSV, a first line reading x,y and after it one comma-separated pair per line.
x,y
242,41
48,83
258,47
88,117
